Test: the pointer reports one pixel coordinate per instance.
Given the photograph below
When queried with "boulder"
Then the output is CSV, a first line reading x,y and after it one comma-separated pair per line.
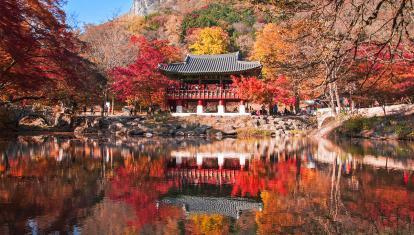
x,y
279,127
162,131
191,133
33,122
143,127
100,123
219,135
136,132
79,130
180,133
229,131
121,131
268,127
116,126
201,130
132,123
63,120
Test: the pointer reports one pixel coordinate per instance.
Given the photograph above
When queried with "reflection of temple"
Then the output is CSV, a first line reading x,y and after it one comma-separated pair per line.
x,y
207,167
210,159
215,172
231,207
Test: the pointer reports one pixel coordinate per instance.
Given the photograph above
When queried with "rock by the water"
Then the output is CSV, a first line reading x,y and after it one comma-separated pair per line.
x,y
229,131
136,132
219,135
114,127
190,126
32,122
63,120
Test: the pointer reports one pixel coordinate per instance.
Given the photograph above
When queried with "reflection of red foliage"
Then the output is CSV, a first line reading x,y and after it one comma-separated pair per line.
x,y
387,207
26,167
248,184
275,177
140,185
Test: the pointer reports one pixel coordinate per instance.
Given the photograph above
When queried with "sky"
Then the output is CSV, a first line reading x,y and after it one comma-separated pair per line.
x,y
80,12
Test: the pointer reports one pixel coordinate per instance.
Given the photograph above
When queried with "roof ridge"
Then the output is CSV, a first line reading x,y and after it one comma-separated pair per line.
x,y
233,54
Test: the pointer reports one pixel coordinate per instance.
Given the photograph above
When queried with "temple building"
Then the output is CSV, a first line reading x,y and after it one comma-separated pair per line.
x,y
205,84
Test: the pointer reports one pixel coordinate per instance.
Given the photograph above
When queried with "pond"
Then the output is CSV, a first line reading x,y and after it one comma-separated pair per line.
x,y
77,185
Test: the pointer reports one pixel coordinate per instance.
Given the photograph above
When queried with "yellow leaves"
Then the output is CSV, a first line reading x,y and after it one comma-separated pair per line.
x,y
213,40
271,47
209,224
134,24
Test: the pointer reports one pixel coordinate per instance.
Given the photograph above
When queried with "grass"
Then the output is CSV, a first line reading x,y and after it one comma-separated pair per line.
x,y
252,132
400,127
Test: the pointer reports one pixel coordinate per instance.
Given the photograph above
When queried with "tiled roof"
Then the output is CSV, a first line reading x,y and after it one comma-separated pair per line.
x,y
210,64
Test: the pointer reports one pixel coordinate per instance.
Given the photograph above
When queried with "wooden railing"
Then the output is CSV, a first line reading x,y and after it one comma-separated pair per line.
x,y
203,94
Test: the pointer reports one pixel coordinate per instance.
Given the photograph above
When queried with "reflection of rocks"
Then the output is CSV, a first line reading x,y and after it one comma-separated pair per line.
x,y
40,139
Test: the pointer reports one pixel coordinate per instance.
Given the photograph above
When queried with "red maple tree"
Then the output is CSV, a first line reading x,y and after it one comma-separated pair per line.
x,y
268,92
141,81
385,75
38,51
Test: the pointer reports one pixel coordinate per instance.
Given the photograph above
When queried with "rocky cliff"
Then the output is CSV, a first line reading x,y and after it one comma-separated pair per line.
x,y
146,7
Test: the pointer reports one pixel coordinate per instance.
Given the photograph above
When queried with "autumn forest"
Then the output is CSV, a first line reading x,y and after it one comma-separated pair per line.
x,y
207,117
362,50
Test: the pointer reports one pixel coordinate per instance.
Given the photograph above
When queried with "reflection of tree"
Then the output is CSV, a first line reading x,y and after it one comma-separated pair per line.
x,y
292,206
385,208
402,150
208,224
263,176
61,182
47,190
370,200
140,183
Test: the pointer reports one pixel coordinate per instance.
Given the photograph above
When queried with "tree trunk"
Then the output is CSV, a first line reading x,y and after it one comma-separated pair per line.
x,y
113,105
331,98
297,102
104,103
338,100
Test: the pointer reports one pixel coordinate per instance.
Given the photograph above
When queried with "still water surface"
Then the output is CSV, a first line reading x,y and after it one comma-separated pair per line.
x,y
69,185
